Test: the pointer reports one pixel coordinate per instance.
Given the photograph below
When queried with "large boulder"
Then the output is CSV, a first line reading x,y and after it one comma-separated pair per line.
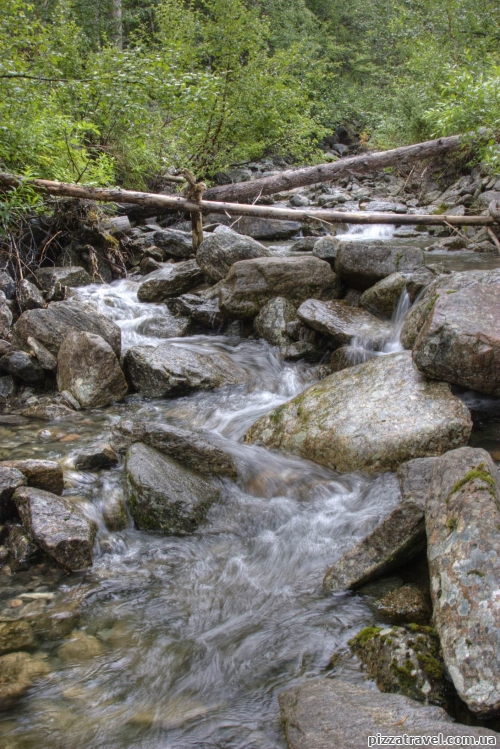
x,y
57,526
462,520
87,367
10,480
382,299
200,310
158,371
174,242
24,367
363,264
342,323
29,296
371,417
219,251
170,281
163,495
18,672
40,474
266,228
460,341
165,326
50,326
326,713
194,449
71,276
251,283
272,320
5,316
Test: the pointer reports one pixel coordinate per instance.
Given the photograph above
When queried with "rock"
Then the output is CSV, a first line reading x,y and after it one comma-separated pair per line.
x,y
80,647
43,356
363,264
407,661
163,495
460,340
49,412
58,526
158,371
24,367
88,368
114,511
50,326
347,356
40,474
23,550
305,244
174,242
206,312
326,249
462,520
100,455
418,281
299,201
5,317
10,480
382,299
266,228
408,604
342,323
371,417
150,265
16,635
394,542
252,283
299,350
18,672
219,251
272,320
414,478
5,347
318,714
165,327
28,296
384,206
7,388
194,449
7,285
170,281
72,276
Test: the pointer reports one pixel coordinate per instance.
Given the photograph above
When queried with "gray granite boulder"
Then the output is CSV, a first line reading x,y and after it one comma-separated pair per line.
x,y
88,368
342,322
198,309
50,326
170,281
252,283
57,526
362,264
414,479
169,370
272,320
99,455
326,249
266,228
165,326
331,713
382,298
174,242
371,417
23,366
162,495
462,520
219,251
10,480
29,296
5,317
71,276
40,474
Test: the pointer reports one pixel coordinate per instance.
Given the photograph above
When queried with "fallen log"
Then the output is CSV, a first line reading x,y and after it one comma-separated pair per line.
x,y
366,162
173,202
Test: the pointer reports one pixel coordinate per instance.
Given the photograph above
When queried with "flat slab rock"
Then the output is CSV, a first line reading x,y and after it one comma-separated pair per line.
x,y
171,281
331,713
342,323
462,520
362,264
168,370
57,526
371,417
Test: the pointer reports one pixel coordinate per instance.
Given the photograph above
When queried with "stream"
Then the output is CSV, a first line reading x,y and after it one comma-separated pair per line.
x,y
198,635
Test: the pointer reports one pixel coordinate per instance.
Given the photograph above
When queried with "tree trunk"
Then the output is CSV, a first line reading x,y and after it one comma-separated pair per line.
x,y
366,162
117,23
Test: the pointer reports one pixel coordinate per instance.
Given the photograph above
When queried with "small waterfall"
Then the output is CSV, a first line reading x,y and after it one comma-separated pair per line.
x,y
398,318
359,232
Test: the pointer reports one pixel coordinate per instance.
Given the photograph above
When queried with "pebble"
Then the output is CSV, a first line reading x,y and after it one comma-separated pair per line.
x,y
70,438
14,603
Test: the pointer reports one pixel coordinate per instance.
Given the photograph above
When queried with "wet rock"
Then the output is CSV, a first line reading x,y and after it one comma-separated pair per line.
x,y
150,265
171,370
18,672
50,326
28,296
174,242
406,661
5,317
219,251
371,417
299,350
100,455
252,283
165,327
194,449
114,511
408,604
326,249
5,347
305,244
363,264
88,368
272,320
170,281
206,312
163,495
24,367
10,480
7,388
342,323
58,526
346,356
80,647
16,635
462,520
7,286
419,281
266,228
414,478
22,549
382,299
72,276
40,474
43,356
318,714
49,412
394,542
460,340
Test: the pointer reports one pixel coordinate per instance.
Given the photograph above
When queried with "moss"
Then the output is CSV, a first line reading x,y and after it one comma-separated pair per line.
x,y
452,524
432,301
366,634
430,665
451,291
476,572
275,416
478,473
423,629
406,677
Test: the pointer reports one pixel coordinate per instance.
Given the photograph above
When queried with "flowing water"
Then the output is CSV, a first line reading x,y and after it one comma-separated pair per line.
x,y
196,636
